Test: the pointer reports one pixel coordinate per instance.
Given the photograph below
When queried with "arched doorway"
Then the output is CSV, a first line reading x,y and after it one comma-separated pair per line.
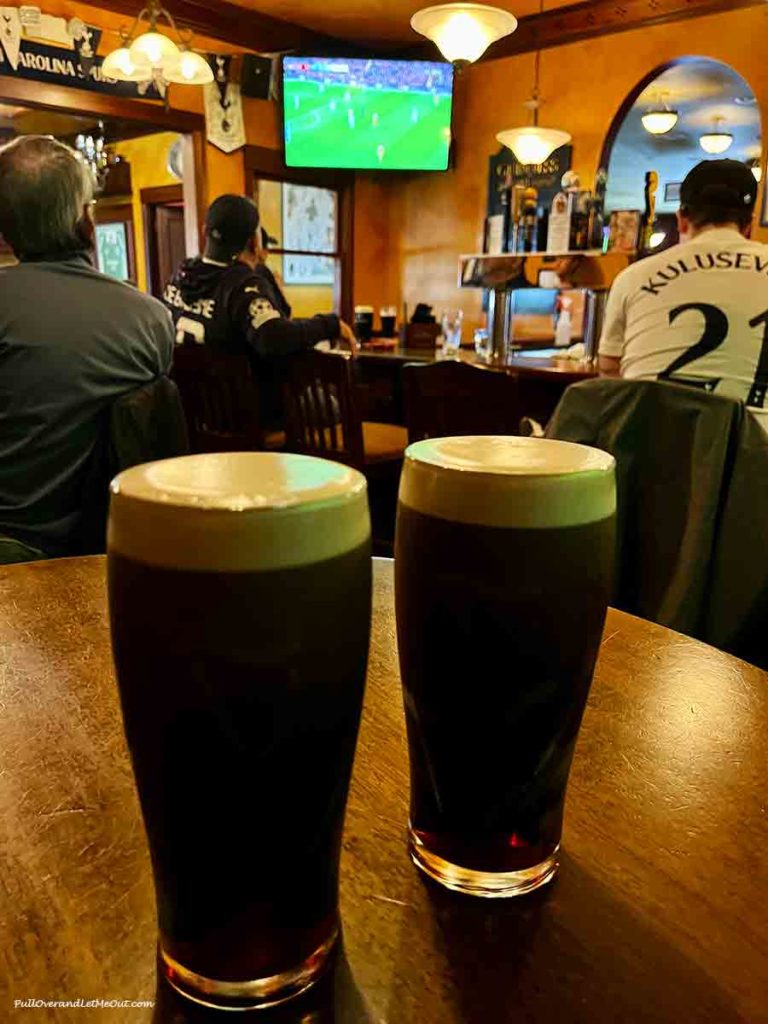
x,y
707,96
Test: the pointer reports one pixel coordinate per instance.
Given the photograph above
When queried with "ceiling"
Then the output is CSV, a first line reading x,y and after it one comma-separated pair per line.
x,y
369,21
700,90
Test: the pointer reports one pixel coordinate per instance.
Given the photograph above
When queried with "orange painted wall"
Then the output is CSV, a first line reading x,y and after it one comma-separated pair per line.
x,y
434,218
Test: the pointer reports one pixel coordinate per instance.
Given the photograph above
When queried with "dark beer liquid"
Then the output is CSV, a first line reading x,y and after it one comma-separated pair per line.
x,y
498,632
241,695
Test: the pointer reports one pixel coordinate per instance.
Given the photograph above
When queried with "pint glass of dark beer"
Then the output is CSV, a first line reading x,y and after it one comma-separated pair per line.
x,y
503,565
240,590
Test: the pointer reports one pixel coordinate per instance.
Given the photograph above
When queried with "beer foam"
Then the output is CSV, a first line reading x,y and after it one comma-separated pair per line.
x,y
241,511
523,482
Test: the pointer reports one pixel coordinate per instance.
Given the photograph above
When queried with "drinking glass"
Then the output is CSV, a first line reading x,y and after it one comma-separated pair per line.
x,y
239,591
482,343
503,566
451,323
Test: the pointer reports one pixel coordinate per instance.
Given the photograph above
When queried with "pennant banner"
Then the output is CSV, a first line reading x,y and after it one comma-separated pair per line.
x,y
38,46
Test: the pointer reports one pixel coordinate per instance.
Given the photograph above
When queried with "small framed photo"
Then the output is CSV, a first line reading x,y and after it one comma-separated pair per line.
x,y
624,230
672,191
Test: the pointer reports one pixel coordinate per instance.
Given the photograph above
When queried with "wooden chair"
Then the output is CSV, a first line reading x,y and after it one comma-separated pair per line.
x,y
221,401
451,398
323,418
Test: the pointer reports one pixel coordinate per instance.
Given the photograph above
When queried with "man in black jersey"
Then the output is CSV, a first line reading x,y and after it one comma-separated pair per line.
x,y
226,300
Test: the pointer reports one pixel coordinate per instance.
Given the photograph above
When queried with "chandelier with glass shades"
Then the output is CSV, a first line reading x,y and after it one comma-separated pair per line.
x,y
463,32
147,55
716,141
531,143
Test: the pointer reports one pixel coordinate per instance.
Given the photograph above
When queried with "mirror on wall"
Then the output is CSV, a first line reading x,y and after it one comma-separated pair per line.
x,y
693,110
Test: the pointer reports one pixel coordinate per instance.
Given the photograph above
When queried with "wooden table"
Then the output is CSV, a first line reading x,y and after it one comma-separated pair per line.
x,y
543,379
659,913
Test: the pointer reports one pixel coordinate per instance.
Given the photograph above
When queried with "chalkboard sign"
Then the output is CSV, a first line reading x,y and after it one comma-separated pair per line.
x,y
505,171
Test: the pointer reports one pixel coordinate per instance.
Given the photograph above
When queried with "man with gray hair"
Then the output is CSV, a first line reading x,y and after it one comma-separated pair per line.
x,y
71,341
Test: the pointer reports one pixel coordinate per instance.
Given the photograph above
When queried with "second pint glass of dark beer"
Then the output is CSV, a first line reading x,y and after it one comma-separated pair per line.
x,y
240,589
503,566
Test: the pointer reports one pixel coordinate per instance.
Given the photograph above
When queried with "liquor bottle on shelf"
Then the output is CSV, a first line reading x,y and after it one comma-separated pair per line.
x,y
528,223
597,212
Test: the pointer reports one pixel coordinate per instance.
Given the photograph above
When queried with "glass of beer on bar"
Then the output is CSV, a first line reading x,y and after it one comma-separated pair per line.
x,y
503,565
240,595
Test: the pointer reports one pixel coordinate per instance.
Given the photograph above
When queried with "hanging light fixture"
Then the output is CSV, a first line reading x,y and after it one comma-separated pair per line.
x,y
659,119
93,153
147,55
716,141
532,144
463,32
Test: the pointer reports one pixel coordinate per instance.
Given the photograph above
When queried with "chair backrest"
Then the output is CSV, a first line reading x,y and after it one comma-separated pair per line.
x,y
451,398
322,416
674,449
142,425
220,399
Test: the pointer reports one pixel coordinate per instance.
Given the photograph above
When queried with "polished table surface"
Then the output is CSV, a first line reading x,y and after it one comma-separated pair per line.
x,y
659,913
535,366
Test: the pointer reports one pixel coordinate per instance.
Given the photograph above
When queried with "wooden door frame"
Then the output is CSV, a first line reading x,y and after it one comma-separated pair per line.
x,y
270,165
64,99
151,198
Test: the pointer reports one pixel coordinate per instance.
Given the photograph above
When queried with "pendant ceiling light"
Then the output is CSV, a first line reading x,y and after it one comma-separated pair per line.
x,y
659,119
532,144
716,141
145,56
463,32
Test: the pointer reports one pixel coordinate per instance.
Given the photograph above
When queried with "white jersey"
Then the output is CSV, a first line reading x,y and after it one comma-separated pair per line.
x,y
695,314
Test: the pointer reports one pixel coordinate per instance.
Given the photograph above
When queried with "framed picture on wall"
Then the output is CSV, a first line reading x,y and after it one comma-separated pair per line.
x,y
114,243
624,230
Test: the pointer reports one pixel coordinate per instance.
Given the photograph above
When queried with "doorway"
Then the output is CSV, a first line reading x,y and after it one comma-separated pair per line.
x,y
147,164
164,233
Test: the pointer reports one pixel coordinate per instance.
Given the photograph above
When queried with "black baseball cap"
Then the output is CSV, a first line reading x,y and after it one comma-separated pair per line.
x,y
232,221
724,184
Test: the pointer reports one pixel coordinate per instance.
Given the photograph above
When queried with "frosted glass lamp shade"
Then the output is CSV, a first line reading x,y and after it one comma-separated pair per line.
x,y
716,142
154,50
463,32
532,145
119,67
190,69
659,122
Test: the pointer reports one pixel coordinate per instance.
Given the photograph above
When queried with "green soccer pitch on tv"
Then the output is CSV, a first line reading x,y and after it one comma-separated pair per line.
x,y
367,114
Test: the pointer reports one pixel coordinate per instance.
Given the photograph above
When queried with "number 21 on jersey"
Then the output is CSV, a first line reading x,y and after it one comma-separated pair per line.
x,y
714,334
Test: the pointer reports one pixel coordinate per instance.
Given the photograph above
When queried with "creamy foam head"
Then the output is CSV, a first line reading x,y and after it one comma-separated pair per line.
x,y
508,481
241,511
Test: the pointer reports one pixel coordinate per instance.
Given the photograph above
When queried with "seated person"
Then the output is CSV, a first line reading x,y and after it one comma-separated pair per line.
x,y
697,313
71,341
228,299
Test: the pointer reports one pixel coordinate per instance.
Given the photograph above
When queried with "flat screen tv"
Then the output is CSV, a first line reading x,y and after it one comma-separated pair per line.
x,y
367,114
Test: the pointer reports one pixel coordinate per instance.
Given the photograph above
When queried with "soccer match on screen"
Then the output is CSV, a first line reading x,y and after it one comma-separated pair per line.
x,y
377,114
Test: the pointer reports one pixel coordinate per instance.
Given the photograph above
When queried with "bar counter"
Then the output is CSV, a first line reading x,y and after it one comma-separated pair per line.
x,y
658,914
543,378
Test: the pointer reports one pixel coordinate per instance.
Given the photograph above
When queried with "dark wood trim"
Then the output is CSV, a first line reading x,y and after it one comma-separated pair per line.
x,y
593,18
270,164
162,195
243,26
77,101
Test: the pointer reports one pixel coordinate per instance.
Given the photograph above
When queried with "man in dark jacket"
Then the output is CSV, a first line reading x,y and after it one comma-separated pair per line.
x,y
71,342
225,299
